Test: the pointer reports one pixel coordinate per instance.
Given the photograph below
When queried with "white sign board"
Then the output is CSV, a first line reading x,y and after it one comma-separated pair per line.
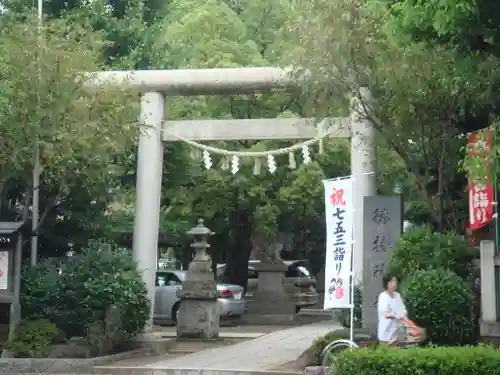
x,y
4,270
339,237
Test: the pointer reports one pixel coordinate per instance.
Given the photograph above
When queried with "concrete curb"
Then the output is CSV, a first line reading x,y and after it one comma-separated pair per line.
x,y
316,370
110,370
80,365
63,365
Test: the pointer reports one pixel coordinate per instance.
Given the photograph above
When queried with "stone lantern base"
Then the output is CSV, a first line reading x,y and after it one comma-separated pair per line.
x,y
271,303
198,319
198,312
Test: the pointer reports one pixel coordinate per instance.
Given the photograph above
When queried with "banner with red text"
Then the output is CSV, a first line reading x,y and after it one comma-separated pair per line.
x,y
481,192
339,209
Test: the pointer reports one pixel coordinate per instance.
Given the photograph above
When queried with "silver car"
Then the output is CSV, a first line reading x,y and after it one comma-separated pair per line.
x,y
231,301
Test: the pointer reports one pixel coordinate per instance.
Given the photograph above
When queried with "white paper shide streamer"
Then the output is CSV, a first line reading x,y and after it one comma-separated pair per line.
x,y
207,160
235,164
271,163
233,159
306,155
339,209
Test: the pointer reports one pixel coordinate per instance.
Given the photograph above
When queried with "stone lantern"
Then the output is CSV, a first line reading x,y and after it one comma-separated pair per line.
x,y
198,312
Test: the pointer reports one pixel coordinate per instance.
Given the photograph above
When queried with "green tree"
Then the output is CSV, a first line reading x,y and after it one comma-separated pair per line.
x,y
419,110
472,26
131,37
129,27
44,101
469,32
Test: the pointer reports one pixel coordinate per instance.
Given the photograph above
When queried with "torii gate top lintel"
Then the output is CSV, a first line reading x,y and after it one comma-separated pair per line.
x,y
188,82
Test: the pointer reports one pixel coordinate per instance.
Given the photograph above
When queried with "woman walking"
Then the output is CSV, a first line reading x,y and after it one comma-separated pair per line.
x,y
391,309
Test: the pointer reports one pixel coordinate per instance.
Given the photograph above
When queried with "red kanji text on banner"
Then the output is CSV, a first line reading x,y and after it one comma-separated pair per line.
x,y
481,192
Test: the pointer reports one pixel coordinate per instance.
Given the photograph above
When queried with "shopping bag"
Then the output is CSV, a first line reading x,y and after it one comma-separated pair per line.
x,y
408,332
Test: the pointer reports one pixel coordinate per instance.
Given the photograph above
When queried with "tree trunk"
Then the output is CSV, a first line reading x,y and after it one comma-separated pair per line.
x,y
441,184
236,271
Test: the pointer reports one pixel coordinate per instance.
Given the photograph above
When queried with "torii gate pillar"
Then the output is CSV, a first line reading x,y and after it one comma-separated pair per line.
x,y
148,192
363,168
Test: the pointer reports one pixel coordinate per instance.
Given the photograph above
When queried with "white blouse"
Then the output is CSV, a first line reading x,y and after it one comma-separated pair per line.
x,y
389,304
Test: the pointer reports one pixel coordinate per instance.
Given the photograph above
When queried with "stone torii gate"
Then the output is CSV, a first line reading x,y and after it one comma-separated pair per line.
x,y
157,85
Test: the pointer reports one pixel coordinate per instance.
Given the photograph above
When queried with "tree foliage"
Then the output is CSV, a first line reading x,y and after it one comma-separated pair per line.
x,y
45,102
469,26
421,249
130,27
420,112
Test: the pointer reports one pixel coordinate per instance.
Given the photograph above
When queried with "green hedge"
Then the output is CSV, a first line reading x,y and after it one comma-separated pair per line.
x,y
34,338
422,249
85,289
443,303
480,360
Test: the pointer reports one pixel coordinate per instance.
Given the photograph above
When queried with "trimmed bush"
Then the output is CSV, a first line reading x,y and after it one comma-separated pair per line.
x,y
79,296
34,338
421,249
479,360
92,283
442,303
39,291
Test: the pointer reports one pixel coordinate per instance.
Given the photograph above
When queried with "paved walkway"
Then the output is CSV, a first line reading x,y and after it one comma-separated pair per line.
x,y
262,353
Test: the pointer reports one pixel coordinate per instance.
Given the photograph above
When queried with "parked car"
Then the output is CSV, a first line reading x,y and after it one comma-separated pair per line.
x,y
231,301
300,285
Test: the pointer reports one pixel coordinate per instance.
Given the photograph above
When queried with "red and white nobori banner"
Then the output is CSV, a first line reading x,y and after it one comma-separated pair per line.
x,y
339,200
481,193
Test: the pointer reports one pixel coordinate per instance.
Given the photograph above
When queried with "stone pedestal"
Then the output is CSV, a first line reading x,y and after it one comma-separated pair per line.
x,y
271,302
489,325
198,319
199,313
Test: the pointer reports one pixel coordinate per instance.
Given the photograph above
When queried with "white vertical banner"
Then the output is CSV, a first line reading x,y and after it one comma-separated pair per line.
x,y
339,210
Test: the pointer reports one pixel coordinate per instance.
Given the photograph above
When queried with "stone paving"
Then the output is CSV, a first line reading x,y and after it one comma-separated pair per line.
x,y
262,353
